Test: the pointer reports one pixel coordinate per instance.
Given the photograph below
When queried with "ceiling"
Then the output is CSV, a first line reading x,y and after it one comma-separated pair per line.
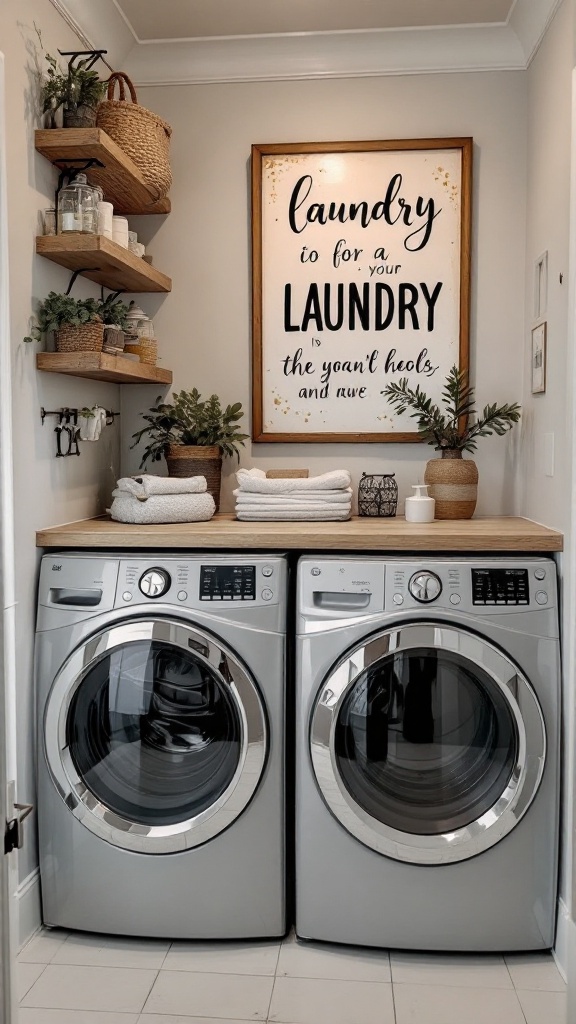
x,y
194,19
188,42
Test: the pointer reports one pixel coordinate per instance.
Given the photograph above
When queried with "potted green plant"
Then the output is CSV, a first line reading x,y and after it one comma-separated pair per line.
x,y
113,313
77,89
77,323
452,430
192,435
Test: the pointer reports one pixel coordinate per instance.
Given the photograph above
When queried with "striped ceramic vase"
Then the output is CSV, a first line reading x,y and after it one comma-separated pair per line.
x,y
453,483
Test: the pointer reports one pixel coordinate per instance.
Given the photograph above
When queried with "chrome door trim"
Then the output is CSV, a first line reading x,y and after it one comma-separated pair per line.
x,y
526,775
85,806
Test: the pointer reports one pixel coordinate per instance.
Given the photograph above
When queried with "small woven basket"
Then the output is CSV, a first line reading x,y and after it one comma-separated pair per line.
x,y
197,460
86,338
140,133
148,351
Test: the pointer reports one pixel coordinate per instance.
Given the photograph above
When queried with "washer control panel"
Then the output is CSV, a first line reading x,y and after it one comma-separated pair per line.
x,y
229,583
500,586
154,582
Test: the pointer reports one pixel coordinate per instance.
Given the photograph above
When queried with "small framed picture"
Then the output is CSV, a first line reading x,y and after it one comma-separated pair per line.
x,y
539,359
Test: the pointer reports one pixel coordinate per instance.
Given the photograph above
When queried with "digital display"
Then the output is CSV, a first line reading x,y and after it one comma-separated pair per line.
x,y
228,583
500,586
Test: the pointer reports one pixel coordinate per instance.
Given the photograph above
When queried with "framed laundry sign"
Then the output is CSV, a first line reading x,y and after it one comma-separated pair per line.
x,y
360,276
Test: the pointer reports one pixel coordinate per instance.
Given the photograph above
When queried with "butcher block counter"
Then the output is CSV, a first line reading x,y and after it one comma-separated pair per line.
x,y
498,533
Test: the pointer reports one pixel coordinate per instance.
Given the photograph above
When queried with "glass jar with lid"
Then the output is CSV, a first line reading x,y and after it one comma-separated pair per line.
x,y
78,207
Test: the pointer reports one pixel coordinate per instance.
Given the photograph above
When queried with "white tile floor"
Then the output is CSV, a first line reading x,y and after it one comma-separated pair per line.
x,y
74,978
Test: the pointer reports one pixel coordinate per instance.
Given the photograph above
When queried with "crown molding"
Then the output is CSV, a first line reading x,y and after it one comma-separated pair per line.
x,y
311,55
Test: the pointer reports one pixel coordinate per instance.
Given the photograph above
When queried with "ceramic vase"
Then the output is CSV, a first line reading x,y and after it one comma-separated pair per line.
x,y
453,483
197,460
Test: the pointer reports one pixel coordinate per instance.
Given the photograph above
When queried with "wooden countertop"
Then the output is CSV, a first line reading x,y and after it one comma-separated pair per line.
x,y
498,533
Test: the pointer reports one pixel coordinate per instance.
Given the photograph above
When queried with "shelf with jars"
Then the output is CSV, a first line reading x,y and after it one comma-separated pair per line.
x,y
117,369
113,170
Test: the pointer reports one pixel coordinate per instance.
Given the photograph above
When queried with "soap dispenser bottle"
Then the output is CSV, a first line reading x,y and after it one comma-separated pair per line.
x,y
419,508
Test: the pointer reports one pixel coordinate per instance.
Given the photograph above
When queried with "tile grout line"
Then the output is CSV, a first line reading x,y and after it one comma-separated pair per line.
x,y
141,1010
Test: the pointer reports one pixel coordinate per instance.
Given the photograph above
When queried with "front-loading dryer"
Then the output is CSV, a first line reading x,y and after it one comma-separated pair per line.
x,y
427,785
161,695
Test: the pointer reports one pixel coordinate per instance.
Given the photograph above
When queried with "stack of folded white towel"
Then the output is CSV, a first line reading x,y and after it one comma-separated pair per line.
x,y
161,499
258,498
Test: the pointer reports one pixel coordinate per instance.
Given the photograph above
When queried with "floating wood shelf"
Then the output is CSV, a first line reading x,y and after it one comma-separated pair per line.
x,y
102,366
103,261
119,177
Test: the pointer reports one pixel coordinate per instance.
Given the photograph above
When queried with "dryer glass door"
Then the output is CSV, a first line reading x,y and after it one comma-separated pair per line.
x,y
156,734
428,743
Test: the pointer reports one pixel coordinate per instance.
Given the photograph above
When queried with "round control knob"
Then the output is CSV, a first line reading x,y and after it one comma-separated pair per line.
x,y
425,586
540,574
126,596
315,571
455,598
267,570
541,597
398,599
154,582
267,594
182,595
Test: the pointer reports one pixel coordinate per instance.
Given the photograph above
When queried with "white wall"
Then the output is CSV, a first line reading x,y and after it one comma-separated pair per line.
x,y
542,497
204,325
47,490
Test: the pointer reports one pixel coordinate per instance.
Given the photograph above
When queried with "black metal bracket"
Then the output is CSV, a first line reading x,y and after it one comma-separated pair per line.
x,y
66,410
76,54
81,270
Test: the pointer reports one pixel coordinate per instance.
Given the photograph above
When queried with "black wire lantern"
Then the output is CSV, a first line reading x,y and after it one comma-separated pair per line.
x,y
377,495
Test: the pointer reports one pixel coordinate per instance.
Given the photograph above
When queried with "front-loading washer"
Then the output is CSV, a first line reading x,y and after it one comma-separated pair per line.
x,y
427,779
161,697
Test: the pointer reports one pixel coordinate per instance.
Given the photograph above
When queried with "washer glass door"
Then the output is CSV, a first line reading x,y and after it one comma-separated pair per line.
x,y
428,744
155,735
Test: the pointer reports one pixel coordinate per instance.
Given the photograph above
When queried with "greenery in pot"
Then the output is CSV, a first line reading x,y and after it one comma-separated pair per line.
x,y
113,313
71,87
457,427
189,420
58,310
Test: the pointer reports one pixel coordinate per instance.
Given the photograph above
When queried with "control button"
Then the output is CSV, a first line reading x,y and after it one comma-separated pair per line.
x,y
315,571
455,598
267,570
154,582
398,599
126,596
540,574
541,597
182,595
267,594
425,586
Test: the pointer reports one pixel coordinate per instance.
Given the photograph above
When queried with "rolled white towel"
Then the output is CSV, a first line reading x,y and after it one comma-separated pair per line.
x,y
287,500
162,508
142,487
257,482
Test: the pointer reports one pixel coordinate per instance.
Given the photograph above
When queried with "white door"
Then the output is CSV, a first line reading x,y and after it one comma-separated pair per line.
x,y
7,861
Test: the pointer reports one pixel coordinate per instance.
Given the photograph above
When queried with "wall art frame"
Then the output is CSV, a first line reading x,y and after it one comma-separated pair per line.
x,y
360,276
538,361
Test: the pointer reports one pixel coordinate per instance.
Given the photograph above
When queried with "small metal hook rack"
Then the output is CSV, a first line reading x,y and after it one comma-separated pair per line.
x,y
68,425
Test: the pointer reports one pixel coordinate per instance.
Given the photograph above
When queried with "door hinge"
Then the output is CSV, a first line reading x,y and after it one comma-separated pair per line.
x,y
13,830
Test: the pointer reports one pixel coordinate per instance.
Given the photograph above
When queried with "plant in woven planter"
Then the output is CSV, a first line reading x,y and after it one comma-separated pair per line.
x,y
113,313
76,323
452,430
76,88
192,435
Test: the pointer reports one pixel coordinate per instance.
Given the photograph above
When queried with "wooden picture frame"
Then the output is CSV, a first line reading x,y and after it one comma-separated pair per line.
x,y
538,360
360,276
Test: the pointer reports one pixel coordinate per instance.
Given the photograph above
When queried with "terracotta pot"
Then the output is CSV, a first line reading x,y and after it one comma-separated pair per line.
x,y
197,460
453,483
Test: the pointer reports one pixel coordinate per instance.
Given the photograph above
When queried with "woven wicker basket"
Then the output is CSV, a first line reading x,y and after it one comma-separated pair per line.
x,y
148,351
140,133
86,338
197,460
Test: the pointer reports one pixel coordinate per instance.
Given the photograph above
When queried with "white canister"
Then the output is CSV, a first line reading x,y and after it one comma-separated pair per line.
x,y
419,508
105,215
120,231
